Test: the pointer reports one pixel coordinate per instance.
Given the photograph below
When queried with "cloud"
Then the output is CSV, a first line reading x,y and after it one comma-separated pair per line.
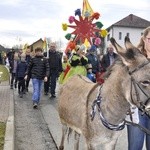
x,y
10,2
36,19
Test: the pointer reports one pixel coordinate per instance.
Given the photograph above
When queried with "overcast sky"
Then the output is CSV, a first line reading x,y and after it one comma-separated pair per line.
x,y
25,21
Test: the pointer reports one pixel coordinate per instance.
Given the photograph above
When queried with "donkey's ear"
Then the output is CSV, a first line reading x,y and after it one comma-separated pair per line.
x,y
118,48
128,43
121,51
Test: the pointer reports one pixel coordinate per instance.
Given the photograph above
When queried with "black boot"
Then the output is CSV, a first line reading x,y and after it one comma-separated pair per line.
x,y
21,95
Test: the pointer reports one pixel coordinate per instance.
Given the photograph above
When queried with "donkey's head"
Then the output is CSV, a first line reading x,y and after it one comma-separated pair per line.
x,y
139,70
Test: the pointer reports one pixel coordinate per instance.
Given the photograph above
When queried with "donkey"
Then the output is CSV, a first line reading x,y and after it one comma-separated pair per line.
x,y
127,84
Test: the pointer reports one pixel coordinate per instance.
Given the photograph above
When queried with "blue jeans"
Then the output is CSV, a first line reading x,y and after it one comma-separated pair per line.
x,y
37,88
136,136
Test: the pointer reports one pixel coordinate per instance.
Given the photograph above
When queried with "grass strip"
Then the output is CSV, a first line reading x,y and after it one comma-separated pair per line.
x,y
5,73
2,134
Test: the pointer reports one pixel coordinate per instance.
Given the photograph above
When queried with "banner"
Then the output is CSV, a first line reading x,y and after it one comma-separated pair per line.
x,y
45,45
86,7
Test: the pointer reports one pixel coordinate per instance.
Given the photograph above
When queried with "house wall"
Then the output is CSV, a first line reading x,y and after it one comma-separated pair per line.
x,y
37,44
134,35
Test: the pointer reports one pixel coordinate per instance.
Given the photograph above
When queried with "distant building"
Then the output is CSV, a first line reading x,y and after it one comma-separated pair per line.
x,y
2,48
131,26
38,43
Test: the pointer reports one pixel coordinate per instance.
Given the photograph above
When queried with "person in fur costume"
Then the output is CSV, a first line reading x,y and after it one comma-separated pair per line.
x,y
78,62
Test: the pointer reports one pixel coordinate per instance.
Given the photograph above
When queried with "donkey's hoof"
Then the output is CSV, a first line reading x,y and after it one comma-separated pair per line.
x,y
61,147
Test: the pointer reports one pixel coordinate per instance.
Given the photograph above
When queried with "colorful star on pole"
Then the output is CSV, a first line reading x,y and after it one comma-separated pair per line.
x,y
84,27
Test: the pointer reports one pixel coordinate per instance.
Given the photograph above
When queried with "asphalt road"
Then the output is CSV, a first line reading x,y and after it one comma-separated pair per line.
x,y
31,130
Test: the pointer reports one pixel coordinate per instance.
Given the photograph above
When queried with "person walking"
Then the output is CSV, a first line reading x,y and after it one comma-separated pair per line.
x,y
55,63
28,58
38,68
1,58
20,74
10,55
136,137
13,66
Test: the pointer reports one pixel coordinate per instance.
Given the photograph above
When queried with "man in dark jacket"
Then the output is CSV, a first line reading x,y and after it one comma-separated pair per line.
x,y
109,58
38,68
55,64
13,66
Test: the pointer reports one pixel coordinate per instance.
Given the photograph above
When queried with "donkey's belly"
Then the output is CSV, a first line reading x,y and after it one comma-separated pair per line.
x,y
72,105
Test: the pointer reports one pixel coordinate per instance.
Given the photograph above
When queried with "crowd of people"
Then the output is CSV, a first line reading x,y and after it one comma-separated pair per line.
x,y
54,66
51,67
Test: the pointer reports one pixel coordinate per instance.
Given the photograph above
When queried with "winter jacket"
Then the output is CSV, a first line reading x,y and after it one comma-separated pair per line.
x,y
105,62
21,69
28,57
94,61
38,67
55,62
11,63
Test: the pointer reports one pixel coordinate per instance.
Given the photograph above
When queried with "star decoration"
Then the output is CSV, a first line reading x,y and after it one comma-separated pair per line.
x,y
84,29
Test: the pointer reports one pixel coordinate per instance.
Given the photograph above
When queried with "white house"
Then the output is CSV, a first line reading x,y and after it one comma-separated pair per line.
x,y
131,26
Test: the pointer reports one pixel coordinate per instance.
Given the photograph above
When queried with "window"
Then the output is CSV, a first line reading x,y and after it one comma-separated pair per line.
x,y
120,35
128,34
108,37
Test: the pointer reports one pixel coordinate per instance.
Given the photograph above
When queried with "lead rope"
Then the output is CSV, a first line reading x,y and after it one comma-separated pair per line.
x,y
95,103
147,131
108,125
121,126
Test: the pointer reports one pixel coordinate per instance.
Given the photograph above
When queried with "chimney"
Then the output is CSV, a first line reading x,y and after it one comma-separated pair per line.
x,y
131,17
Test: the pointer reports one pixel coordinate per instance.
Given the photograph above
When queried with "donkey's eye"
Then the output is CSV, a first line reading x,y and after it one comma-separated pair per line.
x,y
145,83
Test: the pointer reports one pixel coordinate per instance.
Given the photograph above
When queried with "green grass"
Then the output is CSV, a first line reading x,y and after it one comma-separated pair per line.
x,y
2,134
5,75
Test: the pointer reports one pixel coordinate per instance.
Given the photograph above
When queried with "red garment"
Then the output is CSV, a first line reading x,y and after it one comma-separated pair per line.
x,y
99,77
66,70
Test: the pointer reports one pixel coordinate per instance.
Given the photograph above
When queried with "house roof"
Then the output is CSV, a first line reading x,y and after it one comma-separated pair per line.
x,y
36,42
2,48
132,21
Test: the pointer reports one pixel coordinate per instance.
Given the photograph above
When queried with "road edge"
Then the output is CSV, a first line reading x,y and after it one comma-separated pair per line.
x,y
10,127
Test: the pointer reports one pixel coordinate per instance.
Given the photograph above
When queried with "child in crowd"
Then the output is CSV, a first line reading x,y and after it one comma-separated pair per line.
x,y
20,74
90,75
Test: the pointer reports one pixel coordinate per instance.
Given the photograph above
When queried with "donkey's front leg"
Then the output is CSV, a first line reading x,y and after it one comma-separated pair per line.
x,y
77,139
64,132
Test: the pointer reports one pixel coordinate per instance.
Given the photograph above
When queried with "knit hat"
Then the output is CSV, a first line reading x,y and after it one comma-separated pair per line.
x,y
93,48
89,66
